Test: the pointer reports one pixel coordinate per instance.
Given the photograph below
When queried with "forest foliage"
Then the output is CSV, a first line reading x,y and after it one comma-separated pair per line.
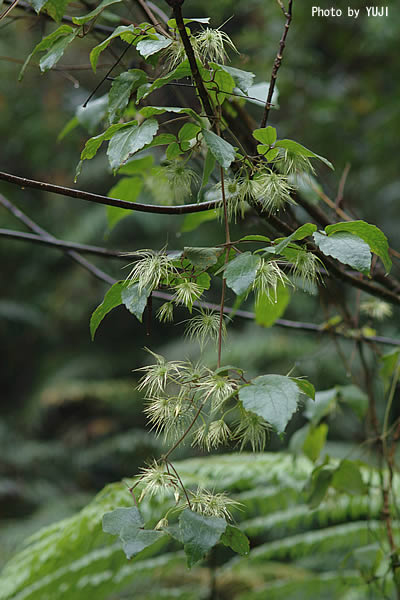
x,y
188,137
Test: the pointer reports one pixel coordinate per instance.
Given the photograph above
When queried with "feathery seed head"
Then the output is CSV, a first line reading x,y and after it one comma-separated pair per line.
x,y
212,505
377,309
187,292
151,269
205,327
211,45
272,190
252,430
267,278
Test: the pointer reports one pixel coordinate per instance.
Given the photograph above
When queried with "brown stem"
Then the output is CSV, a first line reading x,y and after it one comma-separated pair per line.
x,y
277,63
180,483
184,434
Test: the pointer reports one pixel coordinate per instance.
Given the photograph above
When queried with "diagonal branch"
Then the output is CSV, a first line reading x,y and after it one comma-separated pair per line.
x,y
61,244
99,199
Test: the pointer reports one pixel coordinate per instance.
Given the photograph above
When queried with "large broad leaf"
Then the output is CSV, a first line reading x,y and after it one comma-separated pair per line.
x,y
300,233
134,299
56,9
202,257
242,79
347,478
348,248
55,45
94,143
266,135
182,70
112,299
268,309
128,524
223,152
374,237
129,140
37,5
296,148
273,397
241,272
150,46
236,539
128,33
128,188
150,111
199,534
121,90
85,18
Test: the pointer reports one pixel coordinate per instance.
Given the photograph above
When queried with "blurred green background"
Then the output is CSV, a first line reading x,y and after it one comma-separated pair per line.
x,y
70,417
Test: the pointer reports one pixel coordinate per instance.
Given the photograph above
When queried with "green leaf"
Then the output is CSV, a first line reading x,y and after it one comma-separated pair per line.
x,y
209,165
222,151
182,70
137,165
188,132
273,397
68,127
236,539
127,32
55,44
305,387
320,481
56,9
202,257
199,534
85,18
221,84
268,309
127,188
112,299
325,403
136,540
348,248
254,238
121,90
173,151
37,5
194,220
94,143
296,148
151,46
121,518
300,233
134,299
347,478
91,115
266,135
129,140
128,523
241,272
242,79
372,235
150,111
315,441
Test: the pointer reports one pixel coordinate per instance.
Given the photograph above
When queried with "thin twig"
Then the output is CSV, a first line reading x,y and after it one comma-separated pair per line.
x,y
277,63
